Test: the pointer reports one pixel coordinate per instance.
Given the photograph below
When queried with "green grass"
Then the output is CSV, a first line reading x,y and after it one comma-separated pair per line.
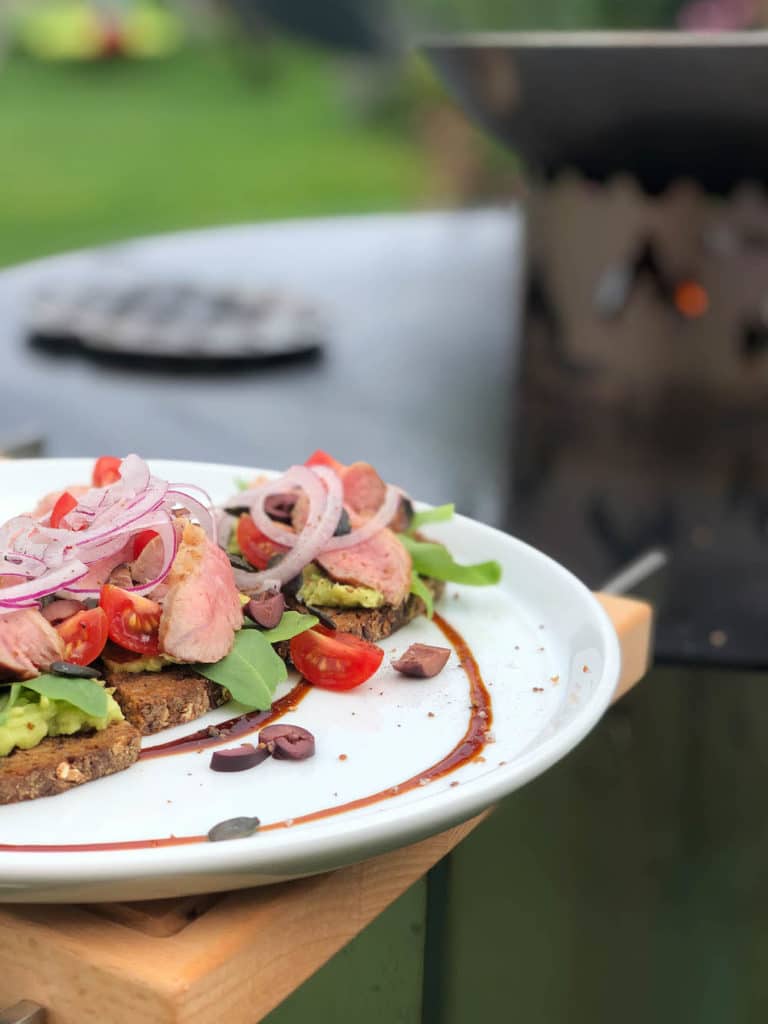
x,y
95,153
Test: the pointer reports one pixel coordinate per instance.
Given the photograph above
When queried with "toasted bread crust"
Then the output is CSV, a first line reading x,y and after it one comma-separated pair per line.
x,y
62,762
152,701
375,623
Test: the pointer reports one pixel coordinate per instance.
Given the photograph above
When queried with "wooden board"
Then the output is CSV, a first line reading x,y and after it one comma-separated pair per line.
x,y
230,957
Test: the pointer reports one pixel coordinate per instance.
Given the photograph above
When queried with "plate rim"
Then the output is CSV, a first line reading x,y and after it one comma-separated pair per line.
x,y
387,828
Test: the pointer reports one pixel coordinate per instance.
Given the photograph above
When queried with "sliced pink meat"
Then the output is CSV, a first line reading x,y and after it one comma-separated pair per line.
x,y
58,611
202,607
381,563
27,644
364,490
121,576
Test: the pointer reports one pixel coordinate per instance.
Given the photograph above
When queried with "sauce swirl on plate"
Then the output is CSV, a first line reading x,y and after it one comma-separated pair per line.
x,y
468,748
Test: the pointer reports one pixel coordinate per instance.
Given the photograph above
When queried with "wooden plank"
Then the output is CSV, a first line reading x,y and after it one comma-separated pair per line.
x,y
239,960
633,621
157,917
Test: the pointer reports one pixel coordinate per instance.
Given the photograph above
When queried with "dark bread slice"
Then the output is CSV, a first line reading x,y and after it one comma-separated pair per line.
x,y
375,623
59,763
152,701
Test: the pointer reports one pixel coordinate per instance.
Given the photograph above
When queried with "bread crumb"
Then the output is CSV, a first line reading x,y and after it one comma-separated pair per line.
x,y
67,773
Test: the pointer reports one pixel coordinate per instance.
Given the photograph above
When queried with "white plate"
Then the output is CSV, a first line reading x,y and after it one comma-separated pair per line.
x,y
546,650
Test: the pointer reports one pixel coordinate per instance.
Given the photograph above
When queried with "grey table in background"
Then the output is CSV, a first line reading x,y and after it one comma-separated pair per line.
x,y
416,375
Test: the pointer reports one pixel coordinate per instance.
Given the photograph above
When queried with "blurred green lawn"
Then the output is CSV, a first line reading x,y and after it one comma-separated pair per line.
x,y
94,153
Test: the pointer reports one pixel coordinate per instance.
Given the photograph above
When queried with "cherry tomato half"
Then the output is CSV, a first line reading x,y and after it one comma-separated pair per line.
x,y
257,548
321,458
84,635
64,504
141,540
133,622
337,661
106,470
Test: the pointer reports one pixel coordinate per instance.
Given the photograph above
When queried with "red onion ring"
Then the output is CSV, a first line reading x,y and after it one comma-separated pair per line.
x,y
201,510
34,590
280,535
325,505
51,560
371,526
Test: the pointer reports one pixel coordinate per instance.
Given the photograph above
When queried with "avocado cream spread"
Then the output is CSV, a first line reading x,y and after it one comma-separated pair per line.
x,y
318,590
140,663
33,717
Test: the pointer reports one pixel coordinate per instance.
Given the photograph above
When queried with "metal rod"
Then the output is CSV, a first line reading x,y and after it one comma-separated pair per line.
x,y
636,572
24,1012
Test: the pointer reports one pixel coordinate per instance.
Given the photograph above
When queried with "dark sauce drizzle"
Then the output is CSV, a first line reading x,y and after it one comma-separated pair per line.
x,y
467,749
231,729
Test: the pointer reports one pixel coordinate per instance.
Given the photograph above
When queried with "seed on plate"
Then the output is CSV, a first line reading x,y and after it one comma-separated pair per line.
x,y
233,828
68,668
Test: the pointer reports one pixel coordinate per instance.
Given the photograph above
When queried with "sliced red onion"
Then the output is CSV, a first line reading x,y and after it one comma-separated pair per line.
x,y
276,532
100,528
325,504
280,535
134,473
138,507
12,564
371,526
34,590
16,608
201,508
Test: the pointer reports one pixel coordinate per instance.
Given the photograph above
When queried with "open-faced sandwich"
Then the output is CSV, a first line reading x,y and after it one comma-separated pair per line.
x,y
132,605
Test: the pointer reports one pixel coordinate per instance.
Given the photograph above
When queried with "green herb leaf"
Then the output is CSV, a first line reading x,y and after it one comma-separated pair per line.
x,y
8,699
430,559
420,589
441,514
251,671
291,624
85,694
241,483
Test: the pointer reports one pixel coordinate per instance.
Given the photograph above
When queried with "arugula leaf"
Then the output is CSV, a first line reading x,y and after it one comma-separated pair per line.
x,y
251,671
85,694
420,589
8,700
430,559
291,624
441,514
